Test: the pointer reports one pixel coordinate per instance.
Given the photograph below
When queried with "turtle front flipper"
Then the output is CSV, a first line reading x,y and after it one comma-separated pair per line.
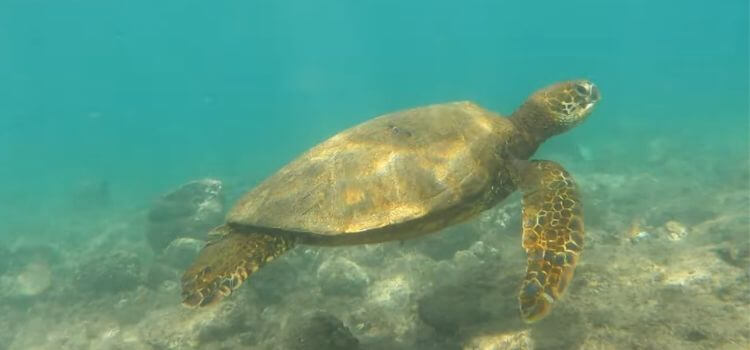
x,y
552,234
226,261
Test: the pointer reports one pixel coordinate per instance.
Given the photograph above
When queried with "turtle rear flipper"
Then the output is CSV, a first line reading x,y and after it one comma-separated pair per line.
x,y
552,234
227,261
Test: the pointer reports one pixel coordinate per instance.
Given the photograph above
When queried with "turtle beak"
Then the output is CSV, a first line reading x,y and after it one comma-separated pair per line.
x,y
594,95
590,93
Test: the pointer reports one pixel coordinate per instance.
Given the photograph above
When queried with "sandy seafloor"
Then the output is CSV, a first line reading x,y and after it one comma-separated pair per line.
x,y
666,266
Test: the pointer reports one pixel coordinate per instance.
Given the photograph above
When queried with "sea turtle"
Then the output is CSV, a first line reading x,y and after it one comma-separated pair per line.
x,y
406,174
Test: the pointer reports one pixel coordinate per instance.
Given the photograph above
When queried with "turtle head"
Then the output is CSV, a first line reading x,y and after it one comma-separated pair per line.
x,y
557,108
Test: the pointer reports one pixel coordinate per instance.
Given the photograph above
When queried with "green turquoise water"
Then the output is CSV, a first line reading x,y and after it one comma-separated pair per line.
x,y
138,97
148,95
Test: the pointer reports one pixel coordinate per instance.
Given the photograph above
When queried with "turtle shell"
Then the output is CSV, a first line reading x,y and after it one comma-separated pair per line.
x,y
406,173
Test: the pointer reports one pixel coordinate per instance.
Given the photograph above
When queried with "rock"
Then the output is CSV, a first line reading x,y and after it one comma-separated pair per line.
x,y
341,276
452,307
637,232
465,261
34,278
388,311
640,236
162,276
28,271
443,245
28,281
502,341
320,330
675,230
473,258
114,272
275,281
25,254
181,252
228,321
189,212
391,293
476,287
502,218
174,327
696,271
736,254
116,339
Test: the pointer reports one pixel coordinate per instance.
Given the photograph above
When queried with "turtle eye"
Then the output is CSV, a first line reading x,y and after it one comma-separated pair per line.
x,y
581,90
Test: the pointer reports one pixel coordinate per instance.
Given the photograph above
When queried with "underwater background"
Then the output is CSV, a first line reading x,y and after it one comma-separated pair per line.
x,y
109,109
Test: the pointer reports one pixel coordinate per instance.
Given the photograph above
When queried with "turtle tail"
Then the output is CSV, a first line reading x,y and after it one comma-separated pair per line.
x,y
226,261
552,235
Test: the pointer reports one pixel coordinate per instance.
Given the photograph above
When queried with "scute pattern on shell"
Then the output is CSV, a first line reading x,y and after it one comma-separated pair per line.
x,y
391,170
